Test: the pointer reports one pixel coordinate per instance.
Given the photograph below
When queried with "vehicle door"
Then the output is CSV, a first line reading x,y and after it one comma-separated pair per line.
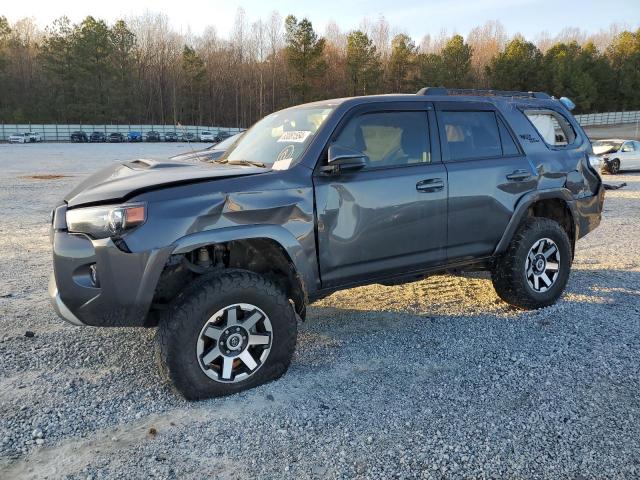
x,y
628,156
488,173
388,217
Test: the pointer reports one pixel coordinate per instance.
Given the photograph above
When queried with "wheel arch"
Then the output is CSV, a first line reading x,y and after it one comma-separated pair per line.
x,y
264,249
556,204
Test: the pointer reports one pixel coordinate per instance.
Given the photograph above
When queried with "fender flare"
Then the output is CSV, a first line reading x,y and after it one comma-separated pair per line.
x,y
278,234
523,205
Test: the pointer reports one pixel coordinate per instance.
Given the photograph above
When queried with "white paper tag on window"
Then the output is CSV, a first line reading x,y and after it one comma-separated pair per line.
x,y
283,164
297,136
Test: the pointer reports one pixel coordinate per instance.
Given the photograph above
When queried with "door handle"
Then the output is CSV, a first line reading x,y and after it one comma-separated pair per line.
x,y
430,185
518,175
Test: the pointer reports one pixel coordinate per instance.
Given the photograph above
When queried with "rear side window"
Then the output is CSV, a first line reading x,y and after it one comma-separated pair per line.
x,y
553,127
471,134
509,147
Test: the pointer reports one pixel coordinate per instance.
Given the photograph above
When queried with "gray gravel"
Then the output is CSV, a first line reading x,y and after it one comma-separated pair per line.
x,y
432,379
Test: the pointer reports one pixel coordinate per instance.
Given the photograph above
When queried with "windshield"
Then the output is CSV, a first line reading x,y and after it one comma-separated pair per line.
x,y
278,140
226,143
607,143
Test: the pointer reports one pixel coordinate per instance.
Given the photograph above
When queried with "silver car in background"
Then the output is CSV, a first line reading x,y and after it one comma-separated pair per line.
x,y
618,154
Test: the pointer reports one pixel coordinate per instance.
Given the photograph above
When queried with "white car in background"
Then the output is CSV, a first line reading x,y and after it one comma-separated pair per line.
x,y
206,136
34,136
29,137
618,154
19,138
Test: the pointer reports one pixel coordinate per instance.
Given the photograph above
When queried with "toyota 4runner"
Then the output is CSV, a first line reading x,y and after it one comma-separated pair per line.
x,y
224,256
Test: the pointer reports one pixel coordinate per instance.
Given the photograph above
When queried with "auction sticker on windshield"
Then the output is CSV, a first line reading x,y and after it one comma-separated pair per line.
x,y
297,136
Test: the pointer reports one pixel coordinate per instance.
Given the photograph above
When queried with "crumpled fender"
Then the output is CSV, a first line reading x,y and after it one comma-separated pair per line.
x,y
280,235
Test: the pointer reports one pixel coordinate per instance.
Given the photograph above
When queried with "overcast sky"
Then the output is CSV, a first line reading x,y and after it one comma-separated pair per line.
x,y
414,17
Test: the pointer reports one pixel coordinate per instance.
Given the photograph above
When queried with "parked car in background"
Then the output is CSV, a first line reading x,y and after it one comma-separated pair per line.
x,y
116,137
211,153
153,136
220,136
618,154
206,136
134,136
19,138
34,137
189,137
79,137
172,137
98,137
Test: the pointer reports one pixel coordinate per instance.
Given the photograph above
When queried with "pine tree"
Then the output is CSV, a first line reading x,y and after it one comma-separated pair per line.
x,y
363,63
304,56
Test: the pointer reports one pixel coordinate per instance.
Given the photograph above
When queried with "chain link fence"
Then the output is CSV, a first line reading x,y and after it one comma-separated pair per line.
x,y
62,133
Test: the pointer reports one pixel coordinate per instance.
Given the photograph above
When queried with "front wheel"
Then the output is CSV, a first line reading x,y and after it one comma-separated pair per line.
x,y
534,270
225,334
614,166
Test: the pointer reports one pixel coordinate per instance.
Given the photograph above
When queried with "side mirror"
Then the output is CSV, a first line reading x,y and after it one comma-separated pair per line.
x,y
343,159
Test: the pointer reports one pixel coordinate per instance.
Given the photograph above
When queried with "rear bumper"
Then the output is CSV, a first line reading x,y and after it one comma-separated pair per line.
x,y
588,212
125,287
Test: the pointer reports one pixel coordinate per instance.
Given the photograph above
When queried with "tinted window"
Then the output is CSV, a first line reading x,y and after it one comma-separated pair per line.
x,y
388,138
471,135
553,127
508,144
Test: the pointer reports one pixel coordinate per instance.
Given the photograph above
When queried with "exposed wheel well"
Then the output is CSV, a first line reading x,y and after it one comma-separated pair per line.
x,y
557,210
260,255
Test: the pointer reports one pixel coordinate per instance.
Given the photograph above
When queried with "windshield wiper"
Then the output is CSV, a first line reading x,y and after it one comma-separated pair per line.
x,y
242,162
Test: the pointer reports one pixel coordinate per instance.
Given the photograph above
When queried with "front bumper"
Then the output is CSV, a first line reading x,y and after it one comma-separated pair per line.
x,y
126,281
61,309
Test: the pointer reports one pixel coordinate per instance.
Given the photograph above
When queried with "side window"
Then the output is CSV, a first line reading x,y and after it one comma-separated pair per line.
x,y
471,134
388,138
628,147
553,127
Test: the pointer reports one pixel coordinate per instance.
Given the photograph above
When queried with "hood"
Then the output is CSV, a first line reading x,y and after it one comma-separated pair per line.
x,y
121,181
602,149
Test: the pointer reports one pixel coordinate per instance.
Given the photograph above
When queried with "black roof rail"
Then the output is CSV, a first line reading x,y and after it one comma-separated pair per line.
x,y
480,93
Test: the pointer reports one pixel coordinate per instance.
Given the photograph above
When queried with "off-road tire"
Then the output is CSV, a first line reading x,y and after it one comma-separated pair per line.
x,y
509,273
180,327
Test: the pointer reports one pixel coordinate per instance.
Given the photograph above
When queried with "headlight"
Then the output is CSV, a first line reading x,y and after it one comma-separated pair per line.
x,y
103,222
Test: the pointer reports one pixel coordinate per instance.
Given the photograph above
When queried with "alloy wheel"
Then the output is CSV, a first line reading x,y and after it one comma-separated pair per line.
x,y
234,343
542,267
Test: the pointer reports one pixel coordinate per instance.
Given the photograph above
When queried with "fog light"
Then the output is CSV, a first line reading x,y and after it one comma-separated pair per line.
x,y
93,272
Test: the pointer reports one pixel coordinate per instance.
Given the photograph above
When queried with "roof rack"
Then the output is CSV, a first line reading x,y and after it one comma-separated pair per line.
x,y
483,93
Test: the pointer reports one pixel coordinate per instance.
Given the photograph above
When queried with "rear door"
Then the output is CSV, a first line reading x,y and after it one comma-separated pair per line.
x,y
388,218
487,172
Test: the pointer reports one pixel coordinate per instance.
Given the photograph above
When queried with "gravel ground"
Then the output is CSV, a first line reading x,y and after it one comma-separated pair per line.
x,y
432,379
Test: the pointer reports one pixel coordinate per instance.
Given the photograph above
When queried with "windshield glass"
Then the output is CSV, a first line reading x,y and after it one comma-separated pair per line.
x,y
607,143
279,139
226,143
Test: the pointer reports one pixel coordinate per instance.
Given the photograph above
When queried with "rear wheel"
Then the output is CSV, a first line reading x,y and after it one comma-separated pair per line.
x,y
534,270
225,334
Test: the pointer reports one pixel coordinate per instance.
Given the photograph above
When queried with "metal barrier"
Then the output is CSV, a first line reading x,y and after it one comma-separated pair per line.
x,y
608,118
62,133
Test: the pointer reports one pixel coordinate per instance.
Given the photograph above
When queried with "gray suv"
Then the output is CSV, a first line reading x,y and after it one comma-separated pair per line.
x,y
223,256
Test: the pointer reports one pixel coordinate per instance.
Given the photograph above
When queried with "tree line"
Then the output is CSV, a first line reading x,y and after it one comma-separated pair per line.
x,y
142,71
